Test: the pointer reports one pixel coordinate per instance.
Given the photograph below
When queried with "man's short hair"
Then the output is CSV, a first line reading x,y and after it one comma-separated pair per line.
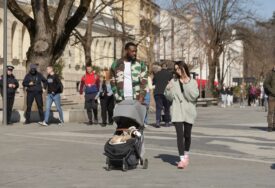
x,y
128,44
88,65
50,66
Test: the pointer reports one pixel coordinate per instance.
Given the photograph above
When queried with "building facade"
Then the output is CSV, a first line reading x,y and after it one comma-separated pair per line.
x,y
73,57
178,42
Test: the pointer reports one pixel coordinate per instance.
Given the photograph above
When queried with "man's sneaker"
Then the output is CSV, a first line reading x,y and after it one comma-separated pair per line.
x,y
269,129
157,125
103,124
27,122
61,123
167,124
90,123
43,123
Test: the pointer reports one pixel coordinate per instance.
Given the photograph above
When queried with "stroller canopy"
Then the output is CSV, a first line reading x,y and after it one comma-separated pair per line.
x,y
129,113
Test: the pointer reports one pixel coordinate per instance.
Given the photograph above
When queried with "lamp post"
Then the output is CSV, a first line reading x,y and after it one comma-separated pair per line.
x,y
5,64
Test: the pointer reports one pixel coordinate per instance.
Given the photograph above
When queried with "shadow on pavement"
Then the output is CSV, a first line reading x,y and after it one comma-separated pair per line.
x,y
273,166
259,128
171,159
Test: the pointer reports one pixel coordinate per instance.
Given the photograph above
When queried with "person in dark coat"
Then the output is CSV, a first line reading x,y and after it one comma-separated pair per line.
x,y
107,102
12,85
161,80
35,82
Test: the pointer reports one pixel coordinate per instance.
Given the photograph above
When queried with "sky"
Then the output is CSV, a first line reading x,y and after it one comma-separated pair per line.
x,y
263,8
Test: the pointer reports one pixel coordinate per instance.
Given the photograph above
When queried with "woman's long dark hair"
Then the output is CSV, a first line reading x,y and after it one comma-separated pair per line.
x,y
182,66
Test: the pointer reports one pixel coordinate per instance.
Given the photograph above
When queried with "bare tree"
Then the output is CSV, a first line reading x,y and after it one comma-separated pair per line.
x,y
49,33
258,50
215,21
97,8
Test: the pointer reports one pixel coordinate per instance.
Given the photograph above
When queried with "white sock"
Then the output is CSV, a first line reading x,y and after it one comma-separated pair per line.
x,y
182,157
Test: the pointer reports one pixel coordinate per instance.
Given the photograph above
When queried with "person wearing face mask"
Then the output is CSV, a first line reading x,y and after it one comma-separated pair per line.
x,y
12,85
183,93
34,82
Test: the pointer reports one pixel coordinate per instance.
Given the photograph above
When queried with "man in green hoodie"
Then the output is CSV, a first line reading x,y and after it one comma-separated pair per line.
x,y
269,87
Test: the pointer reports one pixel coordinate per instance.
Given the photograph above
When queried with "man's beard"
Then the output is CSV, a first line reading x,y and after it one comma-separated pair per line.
x,y
133,58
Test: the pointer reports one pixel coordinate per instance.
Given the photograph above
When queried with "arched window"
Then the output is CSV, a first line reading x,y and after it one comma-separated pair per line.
x,y
1,38
15,41
25,43
103,55
95,54
109,55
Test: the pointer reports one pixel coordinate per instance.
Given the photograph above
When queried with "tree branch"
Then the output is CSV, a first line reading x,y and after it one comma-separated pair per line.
x,y
22,16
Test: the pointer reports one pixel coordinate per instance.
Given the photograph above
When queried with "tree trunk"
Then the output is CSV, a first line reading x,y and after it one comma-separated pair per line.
x,y
49,36
88,54
211,78
41,52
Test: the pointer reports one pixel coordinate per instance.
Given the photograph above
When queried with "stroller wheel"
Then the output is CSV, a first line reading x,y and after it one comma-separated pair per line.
x,y
145,164
108,168
108,165
124,166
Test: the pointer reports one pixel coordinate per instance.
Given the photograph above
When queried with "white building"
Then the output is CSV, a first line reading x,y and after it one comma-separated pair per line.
x,y
179,42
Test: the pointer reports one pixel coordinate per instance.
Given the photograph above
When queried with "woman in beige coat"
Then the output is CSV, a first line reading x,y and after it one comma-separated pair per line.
x,y
183,93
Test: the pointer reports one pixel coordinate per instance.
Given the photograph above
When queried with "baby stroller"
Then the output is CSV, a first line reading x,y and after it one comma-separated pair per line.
x,y
127,155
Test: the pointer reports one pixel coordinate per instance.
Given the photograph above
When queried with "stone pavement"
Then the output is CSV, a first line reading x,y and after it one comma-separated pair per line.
x,y
230,148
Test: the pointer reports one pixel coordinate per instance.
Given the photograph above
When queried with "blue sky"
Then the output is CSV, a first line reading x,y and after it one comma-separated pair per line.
x,y
264,8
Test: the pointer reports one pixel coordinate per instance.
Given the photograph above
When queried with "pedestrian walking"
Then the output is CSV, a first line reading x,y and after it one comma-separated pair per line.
x,y
107,101
160,81
269,85
129,76
223,96
147,99
242,95
183,93
54,88
229,96
253,95
35,82
12,86
90,86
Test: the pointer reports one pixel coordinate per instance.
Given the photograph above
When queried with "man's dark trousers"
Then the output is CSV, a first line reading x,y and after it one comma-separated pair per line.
x,y
162,102
10,103
91,106
107,105
37,96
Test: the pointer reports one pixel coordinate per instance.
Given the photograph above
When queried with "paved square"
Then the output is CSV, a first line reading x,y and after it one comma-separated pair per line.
x,y
230,148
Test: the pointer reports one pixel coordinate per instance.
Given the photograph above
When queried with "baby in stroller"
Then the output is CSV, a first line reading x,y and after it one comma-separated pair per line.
x,y
126,148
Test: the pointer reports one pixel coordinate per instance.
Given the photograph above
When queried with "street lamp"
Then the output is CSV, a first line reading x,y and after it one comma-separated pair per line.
x,y
5,26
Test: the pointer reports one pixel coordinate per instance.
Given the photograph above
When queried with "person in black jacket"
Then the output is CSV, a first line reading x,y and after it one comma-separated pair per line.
x,y
161,80
33,81
12,85
55,88
107,101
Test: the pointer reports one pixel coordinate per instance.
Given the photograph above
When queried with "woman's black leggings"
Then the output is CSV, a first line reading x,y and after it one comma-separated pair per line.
x,y
183,130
